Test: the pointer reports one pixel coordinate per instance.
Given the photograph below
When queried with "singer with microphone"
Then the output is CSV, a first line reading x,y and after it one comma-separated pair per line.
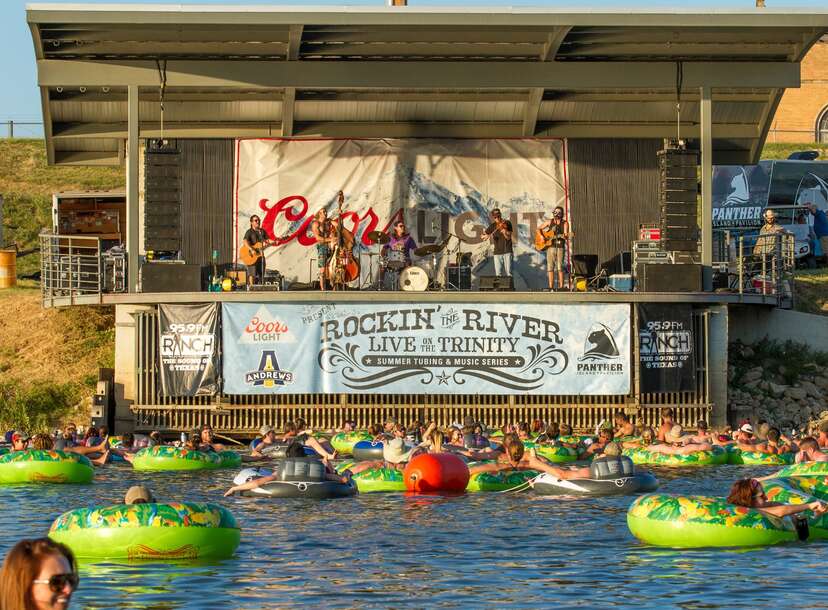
x,y
553,235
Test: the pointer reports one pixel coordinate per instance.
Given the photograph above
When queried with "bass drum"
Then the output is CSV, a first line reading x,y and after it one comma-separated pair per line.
x,y
413,279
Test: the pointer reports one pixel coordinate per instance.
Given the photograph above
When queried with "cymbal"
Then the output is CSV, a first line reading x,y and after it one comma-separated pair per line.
x,y
379,237
430,249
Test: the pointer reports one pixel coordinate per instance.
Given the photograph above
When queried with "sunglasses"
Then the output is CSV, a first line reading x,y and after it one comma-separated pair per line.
x,y
58,582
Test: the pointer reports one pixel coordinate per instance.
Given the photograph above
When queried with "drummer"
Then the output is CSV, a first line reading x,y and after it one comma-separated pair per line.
x,y
400,241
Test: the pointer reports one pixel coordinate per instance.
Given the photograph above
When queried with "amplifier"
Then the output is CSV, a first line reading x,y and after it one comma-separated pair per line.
x,y
170,277
489,283
682,277
458,277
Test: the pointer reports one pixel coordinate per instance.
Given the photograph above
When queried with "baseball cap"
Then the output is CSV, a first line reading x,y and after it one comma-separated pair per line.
x,y
747,428
265,429
138,494
19,435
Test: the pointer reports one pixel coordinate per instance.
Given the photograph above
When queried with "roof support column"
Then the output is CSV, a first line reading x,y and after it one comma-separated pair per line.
x,y
706,130
132,160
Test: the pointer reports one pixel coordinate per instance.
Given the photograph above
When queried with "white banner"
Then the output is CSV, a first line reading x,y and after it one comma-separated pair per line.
x,y
465,348
440,188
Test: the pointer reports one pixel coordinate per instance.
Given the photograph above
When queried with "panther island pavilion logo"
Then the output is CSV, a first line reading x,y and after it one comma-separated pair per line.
x,y
268,375
601,353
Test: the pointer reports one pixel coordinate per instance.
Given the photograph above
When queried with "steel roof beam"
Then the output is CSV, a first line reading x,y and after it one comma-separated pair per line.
x,y
416,74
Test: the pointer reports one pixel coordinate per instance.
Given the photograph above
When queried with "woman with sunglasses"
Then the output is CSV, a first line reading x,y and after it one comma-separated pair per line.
x,y
751,494
38,574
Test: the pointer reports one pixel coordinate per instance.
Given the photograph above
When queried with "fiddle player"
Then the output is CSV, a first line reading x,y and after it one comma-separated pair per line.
x,y
499,233
556,230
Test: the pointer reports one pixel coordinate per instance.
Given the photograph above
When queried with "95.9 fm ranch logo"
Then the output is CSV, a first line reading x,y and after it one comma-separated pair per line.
x,y
268,375
601,355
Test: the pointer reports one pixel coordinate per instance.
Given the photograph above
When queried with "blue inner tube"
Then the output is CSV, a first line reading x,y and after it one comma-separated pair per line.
x,y
367,451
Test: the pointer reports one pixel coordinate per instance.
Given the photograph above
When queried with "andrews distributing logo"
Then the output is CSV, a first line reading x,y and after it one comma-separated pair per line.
x,y
601,353
269,374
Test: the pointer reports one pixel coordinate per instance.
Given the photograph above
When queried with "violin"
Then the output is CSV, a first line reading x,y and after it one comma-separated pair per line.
x,y
342,267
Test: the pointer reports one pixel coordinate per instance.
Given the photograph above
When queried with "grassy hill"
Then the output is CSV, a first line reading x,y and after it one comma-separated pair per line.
x,y
49,358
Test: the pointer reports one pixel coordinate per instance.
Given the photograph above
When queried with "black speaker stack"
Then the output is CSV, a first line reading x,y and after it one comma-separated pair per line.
x,y
162,196
677,194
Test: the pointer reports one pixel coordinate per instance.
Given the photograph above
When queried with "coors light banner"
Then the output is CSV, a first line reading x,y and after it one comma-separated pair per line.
x,y
443,349
188,349
440,188
665,344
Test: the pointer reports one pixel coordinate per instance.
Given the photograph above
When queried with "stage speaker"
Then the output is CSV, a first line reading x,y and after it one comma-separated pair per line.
x,y
303,286
585,265
489,283
162,196
170,277
663,277
458,277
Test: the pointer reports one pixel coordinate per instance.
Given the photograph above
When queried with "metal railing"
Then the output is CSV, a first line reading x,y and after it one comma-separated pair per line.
x,y
70,267
244,415
758,264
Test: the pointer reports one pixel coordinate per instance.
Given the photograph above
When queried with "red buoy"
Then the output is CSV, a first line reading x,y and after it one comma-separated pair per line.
x,y
436,472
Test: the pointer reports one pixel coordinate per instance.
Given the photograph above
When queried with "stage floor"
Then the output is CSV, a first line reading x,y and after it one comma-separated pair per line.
x,y
367,296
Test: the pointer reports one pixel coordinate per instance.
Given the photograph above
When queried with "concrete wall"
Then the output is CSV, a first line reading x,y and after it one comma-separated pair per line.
x,y
717,363
752,324
125,365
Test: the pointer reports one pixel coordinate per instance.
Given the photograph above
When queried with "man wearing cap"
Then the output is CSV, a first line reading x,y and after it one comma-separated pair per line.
x,y
744,438
20,440
267,437
499,233
139,494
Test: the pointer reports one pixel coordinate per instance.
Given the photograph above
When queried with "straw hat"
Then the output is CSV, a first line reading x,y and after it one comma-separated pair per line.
x,y
395,451
675,434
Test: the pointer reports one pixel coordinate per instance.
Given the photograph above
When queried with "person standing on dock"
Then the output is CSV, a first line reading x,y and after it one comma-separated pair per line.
x,y
499,233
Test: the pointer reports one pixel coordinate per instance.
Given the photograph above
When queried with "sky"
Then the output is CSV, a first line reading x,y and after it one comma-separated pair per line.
x,y
20,99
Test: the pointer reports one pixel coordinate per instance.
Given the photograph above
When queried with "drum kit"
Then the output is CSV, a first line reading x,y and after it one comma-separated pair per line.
x,y
395,271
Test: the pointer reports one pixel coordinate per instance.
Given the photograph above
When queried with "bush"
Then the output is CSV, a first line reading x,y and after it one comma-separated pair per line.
x,y
37,409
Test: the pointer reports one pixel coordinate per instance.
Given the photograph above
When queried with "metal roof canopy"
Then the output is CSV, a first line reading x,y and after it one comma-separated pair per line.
x,y
411,72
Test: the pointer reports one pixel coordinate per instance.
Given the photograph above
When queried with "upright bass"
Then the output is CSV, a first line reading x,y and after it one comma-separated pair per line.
x,y
342,267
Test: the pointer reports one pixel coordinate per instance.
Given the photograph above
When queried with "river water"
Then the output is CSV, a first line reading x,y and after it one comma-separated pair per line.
x,y
395,550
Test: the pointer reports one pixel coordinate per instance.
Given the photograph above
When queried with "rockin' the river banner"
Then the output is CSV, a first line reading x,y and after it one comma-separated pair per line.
x,y
417,349
442,189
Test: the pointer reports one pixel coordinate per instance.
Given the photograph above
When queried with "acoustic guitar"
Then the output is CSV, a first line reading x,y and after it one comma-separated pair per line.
x,y
250,255
545,239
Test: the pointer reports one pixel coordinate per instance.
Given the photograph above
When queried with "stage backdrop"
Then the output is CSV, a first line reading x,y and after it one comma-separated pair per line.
x,y
407,349
440,188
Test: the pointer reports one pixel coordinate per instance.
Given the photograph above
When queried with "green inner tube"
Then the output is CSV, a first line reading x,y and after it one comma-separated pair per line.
x,y
39,466
344,442
165,457
757,458
500,481
700,521
641,455
148,532
553,453
804,469
379,480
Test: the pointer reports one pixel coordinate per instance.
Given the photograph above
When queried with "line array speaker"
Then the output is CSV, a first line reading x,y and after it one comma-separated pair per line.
x,y
162,196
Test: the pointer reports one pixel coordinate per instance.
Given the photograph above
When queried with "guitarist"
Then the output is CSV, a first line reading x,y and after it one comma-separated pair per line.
x,y
256,239
499,234
555,233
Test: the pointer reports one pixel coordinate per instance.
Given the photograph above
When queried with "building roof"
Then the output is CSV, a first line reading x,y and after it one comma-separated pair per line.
x,y
424,72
